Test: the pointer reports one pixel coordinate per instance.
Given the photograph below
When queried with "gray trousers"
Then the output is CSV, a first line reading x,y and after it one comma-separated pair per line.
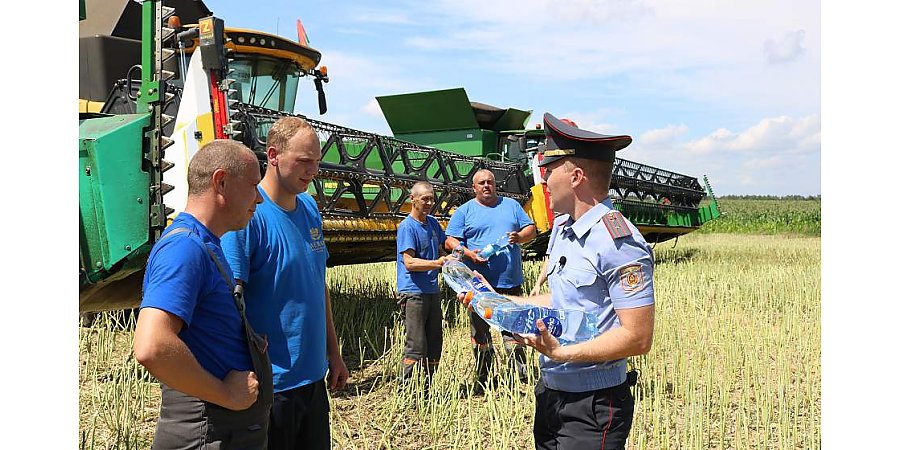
x,y
187,423
424,336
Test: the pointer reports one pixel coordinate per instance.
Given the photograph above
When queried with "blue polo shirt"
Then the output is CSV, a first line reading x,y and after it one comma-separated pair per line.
x,y
280,256
590,270
425,239
182,279
476,226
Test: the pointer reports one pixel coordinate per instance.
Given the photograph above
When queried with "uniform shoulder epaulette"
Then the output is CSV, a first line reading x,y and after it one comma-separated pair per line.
x,y
616,225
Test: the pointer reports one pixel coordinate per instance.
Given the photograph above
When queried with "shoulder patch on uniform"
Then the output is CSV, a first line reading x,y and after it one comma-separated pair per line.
x,y
631,278
616,224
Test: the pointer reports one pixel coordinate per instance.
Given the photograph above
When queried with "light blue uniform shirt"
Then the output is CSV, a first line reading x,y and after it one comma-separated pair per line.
x,y
591,271
281,256
476,226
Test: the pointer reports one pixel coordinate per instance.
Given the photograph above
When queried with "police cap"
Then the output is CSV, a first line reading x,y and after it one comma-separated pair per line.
x,y
565,139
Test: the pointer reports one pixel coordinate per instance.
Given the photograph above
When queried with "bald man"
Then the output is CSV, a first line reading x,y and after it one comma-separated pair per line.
x,y
474,225
191,333
419,259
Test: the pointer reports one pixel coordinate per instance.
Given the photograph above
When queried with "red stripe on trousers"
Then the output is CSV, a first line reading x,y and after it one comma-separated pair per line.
x,y
608,424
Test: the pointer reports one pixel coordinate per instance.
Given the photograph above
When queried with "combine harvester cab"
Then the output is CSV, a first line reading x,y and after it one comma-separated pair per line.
x,y
661,203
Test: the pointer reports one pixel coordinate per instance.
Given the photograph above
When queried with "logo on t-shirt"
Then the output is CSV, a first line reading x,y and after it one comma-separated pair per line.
x,y
317,240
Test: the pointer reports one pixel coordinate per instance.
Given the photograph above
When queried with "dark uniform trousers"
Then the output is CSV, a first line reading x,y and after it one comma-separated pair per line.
x,y
598,419
424,336
483,349
300,418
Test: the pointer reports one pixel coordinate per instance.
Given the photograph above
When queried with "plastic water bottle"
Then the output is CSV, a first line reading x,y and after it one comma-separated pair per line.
x,y
495,247
567,325
460,278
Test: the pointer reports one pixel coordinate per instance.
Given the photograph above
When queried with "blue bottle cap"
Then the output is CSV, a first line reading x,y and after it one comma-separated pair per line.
x,y
554,326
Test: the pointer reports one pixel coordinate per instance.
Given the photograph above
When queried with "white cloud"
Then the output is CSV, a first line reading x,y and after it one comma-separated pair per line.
x,y
372,108
579,11
368,15
786,49
716,140
769,162
781,133
663,135
692,50
424,43
777,155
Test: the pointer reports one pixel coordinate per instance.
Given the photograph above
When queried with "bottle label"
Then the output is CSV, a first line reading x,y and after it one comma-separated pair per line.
x,y
479,286
554,326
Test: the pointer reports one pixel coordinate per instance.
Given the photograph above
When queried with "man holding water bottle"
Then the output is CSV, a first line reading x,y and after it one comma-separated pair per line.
x,y
598,262
419,259
476,224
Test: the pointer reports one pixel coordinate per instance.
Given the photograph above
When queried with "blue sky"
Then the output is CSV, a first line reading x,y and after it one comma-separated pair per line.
x,y
727,89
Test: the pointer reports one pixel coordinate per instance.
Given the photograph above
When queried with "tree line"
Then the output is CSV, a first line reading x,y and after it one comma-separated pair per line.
x,y
770,197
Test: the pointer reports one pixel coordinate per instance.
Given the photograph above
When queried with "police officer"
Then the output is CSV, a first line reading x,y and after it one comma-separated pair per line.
x,y
599,262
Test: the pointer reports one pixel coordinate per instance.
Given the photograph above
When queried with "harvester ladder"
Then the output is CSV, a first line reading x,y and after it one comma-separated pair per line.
x,y
153,98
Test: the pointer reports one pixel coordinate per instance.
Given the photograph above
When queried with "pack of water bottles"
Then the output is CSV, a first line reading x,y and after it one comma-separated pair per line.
x,y
567,325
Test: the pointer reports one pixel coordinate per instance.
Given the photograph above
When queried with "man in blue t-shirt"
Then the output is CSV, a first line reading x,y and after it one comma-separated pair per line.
x,y
190,334
474,225
279,258
419,242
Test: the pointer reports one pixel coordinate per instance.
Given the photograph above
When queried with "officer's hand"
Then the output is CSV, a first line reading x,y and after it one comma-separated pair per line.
x,y
243,388
478,259
543,342
465,298
514,237
337,373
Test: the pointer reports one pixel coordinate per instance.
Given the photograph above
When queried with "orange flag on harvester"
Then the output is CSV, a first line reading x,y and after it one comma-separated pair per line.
x,y
301,34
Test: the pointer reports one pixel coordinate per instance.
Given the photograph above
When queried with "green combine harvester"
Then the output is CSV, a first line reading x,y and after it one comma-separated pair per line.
x,y
159,79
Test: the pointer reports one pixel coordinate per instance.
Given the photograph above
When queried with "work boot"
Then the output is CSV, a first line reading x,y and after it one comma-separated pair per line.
x,y
409,365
